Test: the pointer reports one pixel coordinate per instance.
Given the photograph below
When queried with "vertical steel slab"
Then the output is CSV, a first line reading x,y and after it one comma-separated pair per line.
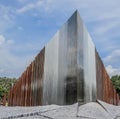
x,y
50,84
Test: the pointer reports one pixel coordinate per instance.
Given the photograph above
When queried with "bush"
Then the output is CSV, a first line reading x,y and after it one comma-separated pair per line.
x,y
116,82
5,85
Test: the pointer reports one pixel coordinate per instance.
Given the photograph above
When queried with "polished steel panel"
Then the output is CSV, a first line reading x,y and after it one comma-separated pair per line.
x,y
68,61
89,67
50,84
60,74
80,62
62,65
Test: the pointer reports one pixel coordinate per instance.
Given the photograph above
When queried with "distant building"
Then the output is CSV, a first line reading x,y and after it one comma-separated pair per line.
x,y
68,69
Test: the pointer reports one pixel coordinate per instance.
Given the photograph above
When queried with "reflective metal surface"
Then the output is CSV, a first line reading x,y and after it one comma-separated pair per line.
x,y
89,67
50,86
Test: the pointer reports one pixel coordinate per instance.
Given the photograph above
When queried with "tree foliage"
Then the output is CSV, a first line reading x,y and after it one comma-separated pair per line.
x,y
116,82
5,85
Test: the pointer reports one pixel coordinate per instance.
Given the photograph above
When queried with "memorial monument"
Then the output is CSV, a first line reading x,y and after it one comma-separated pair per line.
x,y
67,70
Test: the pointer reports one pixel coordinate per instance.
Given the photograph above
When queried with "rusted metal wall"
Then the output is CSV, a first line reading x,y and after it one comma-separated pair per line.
x,y
105,90
28,89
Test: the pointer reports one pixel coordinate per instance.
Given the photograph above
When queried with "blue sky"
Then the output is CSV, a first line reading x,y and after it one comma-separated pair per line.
x,y
27,25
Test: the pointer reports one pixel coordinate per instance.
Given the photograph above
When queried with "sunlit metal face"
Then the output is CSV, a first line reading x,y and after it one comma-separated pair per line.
x,y
69,57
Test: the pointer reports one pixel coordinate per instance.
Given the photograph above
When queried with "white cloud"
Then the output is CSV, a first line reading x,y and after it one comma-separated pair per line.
x,y
30,6
12,65
4,42
2,39
22,1
112,71
26,8
113,57
6,18
10,41
104,27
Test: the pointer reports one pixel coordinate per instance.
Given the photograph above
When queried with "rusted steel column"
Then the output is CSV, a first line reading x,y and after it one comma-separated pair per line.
x,y
112,91
40,71
16,103
33,82
17,87
39,78
30,85
109,87
4,100
115,103
31,94
14,95
118,100
21,101
99,78
27,98
26,86
9,97
23,88
36,71
104,84
19,91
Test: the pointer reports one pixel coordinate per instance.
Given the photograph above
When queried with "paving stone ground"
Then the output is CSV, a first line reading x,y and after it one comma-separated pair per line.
x,y
92,110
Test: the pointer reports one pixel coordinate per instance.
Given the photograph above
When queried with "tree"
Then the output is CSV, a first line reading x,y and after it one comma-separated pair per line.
x,y
3,91
5,85
116,82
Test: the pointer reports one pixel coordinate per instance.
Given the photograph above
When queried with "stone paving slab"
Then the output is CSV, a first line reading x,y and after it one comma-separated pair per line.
x,y
113,110
15,112
65,112
92,110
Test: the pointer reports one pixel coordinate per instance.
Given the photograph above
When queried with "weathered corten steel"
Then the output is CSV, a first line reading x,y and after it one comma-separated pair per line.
x,y
4,100
68,69
27,91
105,89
